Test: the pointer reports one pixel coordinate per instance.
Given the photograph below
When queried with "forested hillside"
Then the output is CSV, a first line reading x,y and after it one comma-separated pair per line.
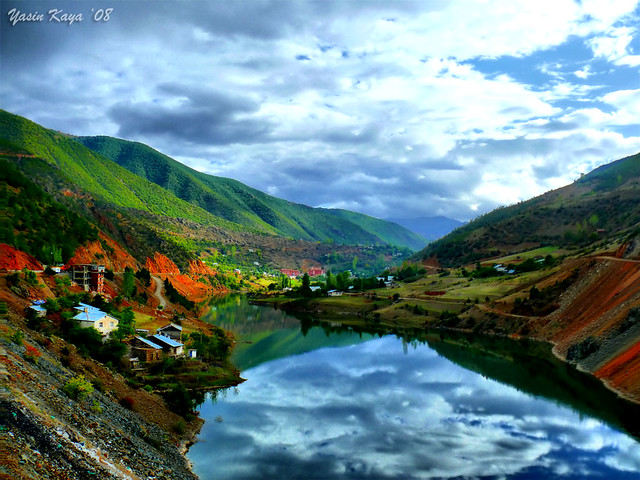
x,y
599,206
246,206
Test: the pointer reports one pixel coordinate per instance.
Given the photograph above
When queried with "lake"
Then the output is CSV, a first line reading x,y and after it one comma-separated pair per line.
x,y
322,401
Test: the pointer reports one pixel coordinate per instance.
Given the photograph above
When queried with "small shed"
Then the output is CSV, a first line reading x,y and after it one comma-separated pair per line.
x,y
38,310
172,331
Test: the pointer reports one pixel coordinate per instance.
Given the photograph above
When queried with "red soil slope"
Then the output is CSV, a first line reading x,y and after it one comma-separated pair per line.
x,y
161,264
595,306
200,268
116,259
12,259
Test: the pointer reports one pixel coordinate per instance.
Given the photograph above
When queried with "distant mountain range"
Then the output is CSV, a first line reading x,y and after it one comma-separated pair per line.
x,y
600,207
146,193
431,228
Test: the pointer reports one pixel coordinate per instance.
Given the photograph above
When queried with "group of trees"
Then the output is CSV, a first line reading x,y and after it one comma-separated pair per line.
x,y
34,222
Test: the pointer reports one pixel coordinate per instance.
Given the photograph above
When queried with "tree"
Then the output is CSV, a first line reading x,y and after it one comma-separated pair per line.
x,y
126,324
128,282
305,289
144,276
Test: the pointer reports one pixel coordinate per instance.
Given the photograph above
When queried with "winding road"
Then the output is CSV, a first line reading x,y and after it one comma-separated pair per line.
x,y
158,291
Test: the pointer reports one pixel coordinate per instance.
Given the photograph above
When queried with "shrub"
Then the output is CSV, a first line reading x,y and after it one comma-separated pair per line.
x,y
78,388
96,407
127,402
17,336
583,349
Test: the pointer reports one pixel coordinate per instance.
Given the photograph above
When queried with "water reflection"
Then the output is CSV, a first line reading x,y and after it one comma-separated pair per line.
x,y
378,410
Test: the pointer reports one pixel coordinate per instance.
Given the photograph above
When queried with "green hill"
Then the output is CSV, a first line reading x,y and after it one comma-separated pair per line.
x,y
596,208
238,203
49,156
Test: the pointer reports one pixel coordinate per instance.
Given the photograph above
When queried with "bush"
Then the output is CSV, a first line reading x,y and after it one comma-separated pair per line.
x,y
127,402
96,407
78,388
17,336
583,349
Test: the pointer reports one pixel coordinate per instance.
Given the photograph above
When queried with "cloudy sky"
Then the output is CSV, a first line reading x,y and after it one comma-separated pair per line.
x,y
394,108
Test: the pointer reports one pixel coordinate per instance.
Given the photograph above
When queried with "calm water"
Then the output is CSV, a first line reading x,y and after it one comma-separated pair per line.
x,y
426,406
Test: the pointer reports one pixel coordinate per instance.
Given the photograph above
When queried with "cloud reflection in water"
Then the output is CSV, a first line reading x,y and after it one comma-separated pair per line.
x,y
371,411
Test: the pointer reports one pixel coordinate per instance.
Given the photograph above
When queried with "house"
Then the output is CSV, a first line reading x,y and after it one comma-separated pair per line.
x,y
88,276
168,345
172,331
315,288
315,271
289,272
192,353
146,350
334,293
89,316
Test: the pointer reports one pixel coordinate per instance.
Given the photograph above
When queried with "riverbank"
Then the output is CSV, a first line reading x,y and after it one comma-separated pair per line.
x,y
587,308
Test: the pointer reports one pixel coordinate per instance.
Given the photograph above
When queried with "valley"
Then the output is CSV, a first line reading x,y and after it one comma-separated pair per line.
x,y
562,269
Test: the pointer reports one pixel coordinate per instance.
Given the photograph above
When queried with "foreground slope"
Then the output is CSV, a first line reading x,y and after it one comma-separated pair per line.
x,y
603,204
236,202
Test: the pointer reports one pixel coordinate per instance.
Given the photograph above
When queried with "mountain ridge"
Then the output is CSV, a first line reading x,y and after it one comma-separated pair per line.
x,y
233,201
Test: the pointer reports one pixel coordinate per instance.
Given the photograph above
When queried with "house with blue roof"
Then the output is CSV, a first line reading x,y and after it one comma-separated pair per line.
x,y
146,350
170,346
89,316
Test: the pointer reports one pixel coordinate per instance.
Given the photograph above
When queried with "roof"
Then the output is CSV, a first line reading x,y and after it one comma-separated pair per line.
x,y
166,340
37,308
93,316
90,308
149,343
177,327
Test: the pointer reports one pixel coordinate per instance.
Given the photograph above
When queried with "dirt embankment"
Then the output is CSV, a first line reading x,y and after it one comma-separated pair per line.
x,y
593,325
12,259
104,252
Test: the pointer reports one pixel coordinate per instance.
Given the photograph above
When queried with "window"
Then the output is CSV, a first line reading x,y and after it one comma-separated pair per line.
x,y
101,325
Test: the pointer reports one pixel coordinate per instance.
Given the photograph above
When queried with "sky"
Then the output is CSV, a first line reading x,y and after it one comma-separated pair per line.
x,y
396,109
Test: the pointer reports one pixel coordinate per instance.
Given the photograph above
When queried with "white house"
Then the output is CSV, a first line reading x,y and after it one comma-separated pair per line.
x,y
94,317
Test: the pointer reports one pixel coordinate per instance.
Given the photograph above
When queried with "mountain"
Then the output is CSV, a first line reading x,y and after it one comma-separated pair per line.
x,y
598,207
152,195
243,205
431,228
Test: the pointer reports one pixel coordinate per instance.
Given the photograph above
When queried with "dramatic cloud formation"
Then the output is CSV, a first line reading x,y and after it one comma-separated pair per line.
x,y
395,109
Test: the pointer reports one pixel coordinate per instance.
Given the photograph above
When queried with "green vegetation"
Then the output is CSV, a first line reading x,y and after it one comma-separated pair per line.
x,y
34,222
78,388
245,206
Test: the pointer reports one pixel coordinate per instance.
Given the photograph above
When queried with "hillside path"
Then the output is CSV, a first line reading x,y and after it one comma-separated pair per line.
x,y
158,291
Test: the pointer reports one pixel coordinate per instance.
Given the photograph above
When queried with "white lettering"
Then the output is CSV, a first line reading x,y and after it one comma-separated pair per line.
x,y
60,17
16,16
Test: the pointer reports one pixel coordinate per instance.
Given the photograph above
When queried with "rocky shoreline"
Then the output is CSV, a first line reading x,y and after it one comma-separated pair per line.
x,y
47,435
